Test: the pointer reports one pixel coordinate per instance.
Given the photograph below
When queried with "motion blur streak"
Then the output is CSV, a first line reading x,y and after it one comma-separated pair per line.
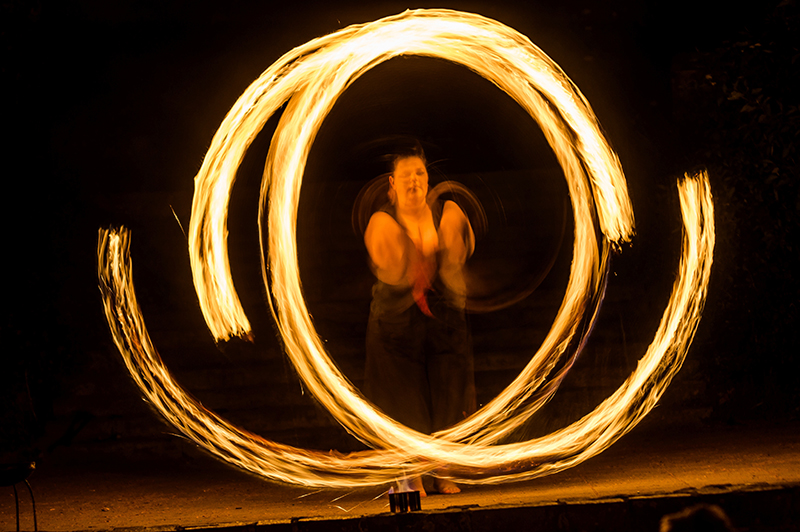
x,y
311,78
324,67
474,462
243,449
314,76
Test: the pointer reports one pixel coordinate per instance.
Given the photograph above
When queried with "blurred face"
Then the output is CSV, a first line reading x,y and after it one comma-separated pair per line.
x,y
410,182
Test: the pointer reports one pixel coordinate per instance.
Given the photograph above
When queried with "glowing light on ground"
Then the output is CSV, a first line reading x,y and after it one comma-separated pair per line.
x,y
313,76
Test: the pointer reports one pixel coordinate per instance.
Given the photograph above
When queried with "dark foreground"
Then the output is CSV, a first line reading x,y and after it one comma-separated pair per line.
x,y
752,472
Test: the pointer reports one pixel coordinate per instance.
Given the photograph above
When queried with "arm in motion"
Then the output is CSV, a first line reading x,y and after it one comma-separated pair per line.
x,y
456,244
387,245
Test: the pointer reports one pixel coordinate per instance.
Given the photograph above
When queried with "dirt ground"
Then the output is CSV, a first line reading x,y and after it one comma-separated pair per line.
x,y
74,492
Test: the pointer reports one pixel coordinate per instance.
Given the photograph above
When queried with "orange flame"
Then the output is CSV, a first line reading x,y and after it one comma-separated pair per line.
x,y
474,462
314,75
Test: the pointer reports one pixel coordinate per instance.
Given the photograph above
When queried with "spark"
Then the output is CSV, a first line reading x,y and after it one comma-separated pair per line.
x,y
309,493
175,214
342,496
362,502
313,76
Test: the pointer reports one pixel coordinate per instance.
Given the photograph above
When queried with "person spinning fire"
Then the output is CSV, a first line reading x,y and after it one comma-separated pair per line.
x,y
419,365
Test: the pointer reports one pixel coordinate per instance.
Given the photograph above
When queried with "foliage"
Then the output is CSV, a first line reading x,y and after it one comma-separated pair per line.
x,y
739,108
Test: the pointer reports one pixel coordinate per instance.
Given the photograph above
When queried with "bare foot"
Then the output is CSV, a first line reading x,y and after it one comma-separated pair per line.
x,y
445,486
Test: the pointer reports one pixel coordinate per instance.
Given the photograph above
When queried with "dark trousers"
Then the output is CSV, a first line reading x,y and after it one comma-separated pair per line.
x,y
419,370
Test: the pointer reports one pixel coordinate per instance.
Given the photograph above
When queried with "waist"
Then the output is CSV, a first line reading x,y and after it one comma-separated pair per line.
x,y
393,299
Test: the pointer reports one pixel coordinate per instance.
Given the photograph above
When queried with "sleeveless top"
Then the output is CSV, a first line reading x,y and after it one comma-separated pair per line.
x,y
390,299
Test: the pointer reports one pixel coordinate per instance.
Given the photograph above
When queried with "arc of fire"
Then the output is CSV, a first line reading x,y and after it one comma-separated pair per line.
x,y
314,75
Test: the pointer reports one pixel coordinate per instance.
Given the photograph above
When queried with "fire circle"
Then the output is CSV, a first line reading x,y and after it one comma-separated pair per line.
x,y
311,78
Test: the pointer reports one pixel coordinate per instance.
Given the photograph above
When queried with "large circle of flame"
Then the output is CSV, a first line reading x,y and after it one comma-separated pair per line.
x,y
311,78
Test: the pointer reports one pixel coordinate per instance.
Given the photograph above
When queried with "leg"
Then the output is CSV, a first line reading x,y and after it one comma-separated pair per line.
x,y
451,374
395,377
450,368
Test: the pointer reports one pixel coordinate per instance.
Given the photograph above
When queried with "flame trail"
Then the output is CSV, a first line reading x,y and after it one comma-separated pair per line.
x,y
324,67
513,63
311,78
469,462
180,409
314,75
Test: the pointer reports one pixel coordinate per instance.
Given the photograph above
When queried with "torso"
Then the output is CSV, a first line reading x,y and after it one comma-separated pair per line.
x,y
422,233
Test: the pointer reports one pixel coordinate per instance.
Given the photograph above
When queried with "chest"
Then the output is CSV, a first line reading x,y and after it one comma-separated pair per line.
x,y
423,234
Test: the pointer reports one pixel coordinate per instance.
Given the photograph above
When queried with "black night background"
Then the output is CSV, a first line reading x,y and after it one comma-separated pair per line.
x,y
108,108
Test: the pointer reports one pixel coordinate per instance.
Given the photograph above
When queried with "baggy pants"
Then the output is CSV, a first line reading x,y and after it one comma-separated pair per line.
x,y
419,370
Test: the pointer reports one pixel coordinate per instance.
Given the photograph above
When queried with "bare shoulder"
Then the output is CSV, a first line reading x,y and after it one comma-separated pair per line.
x,y
452,212
381,222
381,217
381,227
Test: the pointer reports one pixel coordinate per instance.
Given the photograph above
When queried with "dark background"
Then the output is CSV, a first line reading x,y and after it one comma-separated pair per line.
x,y
108,108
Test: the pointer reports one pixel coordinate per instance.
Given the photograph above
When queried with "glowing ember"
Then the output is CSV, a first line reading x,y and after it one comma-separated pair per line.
x,y
314,75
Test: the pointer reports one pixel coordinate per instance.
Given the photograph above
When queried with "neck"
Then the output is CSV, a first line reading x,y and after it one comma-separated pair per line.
x,y
413,211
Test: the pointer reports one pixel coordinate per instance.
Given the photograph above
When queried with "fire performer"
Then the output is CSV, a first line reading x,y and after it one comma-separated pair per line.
x,y
419,366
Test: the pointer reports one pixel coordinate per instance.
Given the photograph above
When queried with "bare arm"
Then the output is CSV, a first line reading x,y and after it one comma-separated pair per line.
x,y
456,242
387,246
456,238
